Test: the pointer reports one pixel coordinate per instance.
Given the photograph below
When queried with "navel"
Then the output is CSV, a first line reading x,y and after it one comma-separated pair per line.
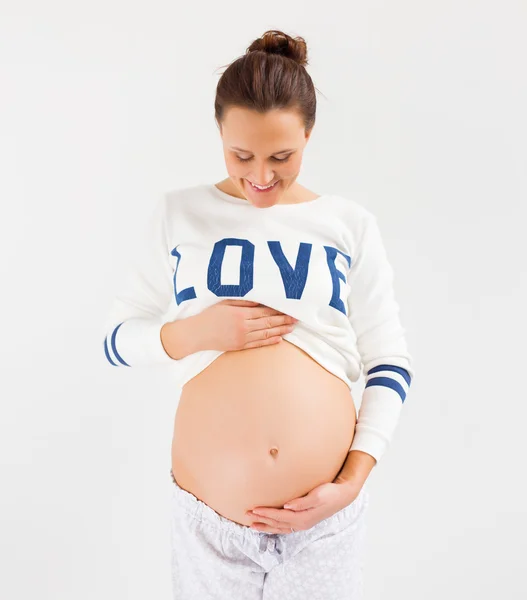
x,y
273,451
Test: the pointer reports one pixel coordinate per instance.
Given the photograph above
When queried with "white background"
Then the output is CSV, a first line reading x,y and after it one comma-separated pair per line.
x,y
104,106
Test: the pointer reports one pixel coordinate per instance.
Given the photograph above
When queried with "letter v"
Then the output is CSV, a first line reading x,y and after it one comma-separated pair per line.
x,y
294,279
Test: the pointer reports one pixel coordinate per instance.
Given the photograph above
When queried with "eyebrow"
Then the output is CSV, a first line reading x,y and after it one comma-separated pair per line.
x,y
281,151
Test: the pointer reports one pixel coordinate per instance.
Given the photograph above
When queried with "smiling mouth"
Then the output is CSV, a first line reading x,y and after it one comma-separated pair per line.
x,y
267,189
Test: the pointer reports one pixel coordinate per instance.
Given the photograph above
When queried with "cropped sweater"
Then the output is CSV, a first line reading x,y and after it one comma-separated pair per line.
x,y
322,262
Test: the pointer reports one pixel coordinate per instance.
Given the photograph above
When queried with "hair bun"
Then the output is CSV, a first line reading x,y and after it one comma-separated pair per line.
x,y
274,41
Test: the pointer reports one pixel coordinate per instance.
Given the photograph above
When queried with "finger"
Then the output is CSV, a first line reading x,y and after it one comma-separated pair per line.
x,y
240,303
263,311
270,528
267,334
266,520
269,322
272,515
301,504
261,342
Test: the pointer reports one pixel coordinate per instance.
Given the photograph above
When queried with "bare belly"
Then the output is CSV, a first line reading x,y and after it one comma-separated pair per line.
x,y
259,427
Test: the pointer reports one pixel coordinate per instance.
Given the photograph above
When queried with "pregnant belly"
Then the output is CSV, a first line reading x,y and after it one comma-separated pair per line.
x,y
259,427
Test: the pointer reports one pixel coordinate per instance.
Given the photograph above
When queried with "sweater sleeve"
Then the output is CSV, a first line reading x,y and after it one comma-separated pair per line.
x,y
374,316
132,332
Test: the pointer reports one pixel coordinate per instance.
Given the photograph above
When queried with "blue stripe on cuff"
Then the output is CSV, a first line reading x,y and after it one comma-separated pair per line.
x,y
118,356
107,353
388,382
403,372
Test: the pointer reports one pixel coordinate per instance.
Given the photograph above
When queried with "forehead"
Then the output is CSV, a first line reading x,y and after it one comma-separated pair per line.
x,y
273,131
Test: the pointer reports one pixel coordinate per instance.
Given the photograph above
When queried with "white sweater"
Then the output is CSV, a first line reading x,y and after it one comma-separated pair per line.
x,y
322,262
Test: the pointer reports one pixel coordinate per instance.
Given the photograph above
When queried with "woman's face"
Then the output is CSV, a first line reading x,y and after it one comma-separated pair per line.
x,y
263,149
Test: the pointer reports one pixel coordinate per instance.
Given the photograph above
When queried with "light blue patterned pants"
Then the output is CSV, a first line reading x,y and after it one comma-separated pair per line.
x,y
214,558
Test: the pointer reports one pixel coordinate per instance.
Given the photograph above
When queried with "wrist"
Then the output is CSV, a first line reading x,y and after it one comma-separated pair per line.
x,y
356,469
350,487
196,334
180,338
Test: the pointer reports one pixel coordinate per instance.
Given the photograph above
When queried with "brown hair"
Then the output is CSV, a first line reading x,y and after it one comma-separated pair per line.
x,y
270,75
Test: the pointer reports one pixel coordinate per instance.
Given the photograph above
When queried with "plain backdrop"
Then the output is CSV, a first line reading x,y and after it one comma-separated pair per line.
x,y
105,106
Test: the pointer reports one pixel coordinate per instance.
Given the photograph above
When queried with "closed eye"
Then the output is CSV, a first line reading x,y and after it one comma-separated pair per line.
x,y
273,157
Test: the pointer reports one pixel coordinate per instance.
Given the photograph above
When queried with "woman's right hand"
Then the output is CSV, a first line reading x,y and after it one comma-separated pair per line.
x,y
240,324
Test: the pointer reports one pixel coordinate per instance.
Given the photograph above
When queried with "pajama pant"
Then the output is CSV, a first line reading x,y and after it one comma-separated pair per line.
x,y
214,558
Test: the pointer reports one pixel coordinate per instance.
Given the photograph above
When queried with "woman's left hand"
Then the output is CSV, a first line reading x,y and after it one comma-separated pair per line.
x,y
305,512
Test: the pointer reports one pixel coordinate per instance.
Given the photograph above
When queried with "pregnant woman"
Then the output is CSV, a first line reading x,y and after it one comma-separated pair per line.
x,y
266,300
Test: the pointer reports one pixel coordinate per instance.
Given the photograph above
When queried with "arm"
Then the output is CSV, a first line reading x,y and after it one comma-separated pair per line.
x,y
135,333
374,316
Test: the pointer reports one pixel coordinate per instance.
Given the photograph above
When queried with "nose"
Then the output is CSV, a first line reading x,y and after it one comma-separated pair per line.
x,y
263,175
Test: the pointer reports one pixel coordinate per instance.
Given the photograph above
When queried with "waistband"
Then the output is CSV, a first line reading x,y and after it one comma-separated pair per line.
x,y
197,509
